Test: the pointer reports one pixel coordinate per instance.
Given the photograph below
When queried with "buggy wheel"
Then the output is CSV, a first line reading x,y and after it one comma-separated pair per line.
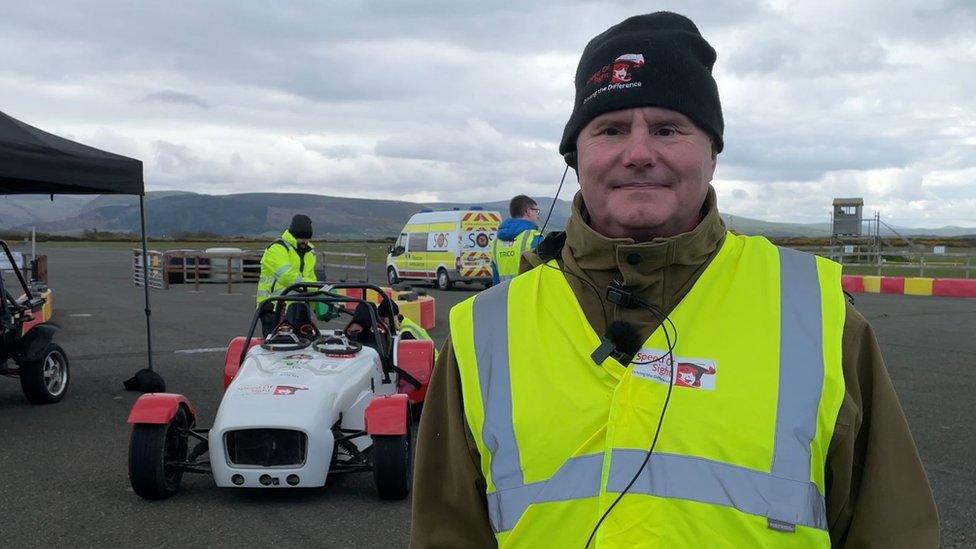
x,y
391,276
153,452
45,381
443,281
392,465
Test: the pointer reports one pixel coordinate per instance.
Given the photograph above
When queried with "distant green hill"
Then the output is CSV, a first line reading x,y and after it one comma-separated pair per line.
x,y
171,213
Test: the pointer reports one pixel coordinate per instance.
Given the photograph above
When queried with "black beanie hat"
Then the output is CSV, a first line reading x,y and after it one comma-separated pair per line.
x,y
654,60
301,226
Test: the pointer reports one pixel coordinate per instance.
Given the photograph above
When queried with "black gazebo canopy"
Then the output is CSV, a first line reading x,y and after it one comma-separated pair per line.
x,y
33,161
36,162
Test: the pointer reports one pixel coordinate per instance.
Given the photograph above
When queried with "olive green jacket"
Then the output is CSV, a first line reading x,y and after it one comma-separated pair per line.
x,y
877,492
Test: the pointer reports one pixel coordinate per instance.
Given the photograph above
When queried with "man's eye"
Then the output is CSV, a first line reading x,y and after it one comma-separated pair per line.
x,y
665,131
612,131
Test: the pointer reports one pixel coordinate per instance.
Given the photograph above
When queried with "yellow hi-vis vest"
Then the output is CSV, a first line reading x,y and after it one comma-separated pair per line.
x,y
282,266
506,254
741,454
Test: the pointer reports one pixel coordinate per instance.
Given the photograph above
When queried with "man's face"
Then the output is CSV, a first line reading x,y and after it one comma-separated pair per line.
x,y
532,213
302,241
644,172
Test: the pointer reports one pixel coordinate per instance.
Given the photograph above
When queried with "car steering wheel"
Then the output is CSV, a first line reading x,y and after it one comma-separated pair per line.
x,y
337,345
285,340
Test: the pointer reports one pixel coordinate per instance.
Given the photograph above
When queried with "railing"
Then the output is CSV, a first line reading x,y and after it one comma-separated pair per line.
x,y
194,266
155,261
911,263
349,262
198,267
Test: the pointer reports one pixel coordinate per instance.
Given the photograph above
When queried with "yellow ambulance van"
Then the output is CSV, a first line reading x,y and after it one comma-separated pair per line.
x,y
444,247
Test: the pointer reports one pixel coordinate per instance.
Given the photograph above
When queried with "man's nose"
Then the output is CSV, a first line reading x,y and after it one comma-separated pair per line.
x,y
641,150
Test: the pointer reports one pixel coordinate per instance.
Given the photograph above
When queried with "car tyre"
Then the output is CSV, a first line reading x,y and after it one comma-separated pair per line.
x,y
392,465
443,280
391,276
150,448
45,381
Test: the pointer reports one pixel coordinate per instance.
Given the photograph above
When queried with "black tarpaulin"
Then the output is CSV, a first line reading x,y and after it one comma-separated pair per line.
x,y
33,161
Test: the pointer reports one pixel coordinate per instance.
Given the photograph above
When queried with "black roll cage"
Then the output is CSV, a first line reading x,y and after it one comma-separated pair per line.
x,y
320,292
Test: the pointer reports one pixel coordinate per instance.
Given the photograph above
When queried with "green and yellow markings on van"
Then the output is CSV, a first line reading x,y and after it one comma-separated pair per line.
x,y
446,227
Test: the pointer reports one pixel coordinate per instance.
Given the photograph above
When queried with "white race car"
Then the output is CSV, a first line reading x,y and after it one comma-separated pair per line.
x,y
297,407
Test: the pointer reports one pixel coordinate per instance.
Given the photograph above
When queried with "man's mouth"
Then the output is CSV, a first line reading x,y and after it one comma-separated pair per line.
x,y
641,185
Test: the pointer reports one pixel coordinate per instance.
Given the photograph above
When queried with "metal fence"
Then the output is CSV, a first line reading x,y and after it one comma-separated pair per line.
x,y
241,267
902,262
346,262
155,263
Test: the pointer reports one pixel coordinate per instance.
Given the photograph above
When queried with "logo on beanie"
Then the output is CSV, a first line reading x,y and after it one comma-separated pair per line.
x,y
616,75
619,71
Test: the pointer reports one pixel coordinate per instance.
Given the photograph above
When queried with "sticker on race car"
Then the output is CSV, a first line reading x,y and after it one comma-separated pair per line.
x,y
254,389
285,390
299,356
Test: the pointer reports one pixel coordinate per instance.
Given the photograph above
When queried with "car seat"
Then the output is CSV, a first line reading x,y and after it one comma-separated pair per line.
x,y
362,317
298,317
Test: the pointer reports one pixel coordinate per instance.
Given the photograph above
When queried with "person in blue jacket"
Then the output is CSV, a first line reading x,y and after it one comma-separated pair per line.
x,y
516,235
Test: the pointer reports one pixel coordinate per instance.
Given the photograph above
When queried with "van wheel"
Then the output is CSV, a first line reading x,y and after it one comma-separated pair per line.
x,y
391,276
443,281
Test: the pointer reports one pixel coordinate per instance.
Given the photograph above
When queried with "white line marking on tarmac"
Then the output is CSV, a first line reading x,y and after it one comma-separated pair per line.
x,y
80,315
204,350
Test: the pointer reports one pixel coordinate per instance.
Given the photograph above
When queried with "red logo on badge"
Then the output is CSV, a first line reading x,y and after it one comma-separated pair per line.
x,y
690,374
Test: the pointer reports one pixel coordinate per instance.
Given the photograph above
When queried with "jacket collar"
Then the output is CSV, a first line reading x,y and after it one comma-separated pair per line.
x,y
291,240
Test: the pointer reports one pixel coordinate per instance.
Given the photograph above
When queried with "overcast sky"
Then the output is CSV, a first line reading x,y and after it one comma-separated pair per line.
x,y
458,101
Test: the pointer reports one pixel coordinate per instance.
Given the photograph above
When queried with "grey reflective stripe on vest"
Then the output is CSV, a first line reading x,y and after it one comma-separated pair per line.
x,y
490,321
706,481
785,494
529,236
578,478
801,365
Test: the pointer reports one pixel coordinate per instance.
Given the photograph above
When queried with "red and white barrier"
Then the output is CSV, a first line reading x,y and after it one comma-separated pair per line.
x,y
945,287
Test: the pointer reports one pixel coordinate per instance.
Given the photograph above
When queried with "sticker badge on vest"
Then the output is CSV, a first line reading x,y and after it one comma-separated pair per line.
x,y
694,373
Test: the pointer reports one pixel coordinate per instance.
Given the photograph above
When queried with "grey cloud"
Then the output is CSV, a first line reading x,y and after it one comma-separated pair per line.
x,y
348,98
176,98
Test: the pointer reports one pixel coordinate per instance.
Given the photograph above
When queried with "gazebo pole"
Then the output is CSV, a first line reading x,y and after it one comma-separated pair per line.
x,y
146,380
145,277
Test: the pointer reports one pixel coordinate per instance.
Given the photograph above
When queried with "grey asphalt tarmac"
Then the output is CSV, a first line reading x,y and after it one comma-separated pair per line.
x,y
63,468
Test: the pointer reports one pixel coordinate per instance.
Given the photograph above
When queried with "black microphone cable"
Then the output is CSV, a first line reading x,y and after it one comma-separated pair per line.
x,y
662,318
554,199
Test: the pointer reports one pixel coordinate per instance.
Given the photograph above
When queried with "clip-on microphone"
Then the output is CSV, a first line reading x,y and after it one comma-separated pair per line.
x,y
620,342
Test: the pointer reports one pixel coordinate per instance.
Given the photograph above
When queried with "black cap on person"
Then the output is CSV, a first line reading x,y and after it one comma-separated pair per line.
x,y
653,60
